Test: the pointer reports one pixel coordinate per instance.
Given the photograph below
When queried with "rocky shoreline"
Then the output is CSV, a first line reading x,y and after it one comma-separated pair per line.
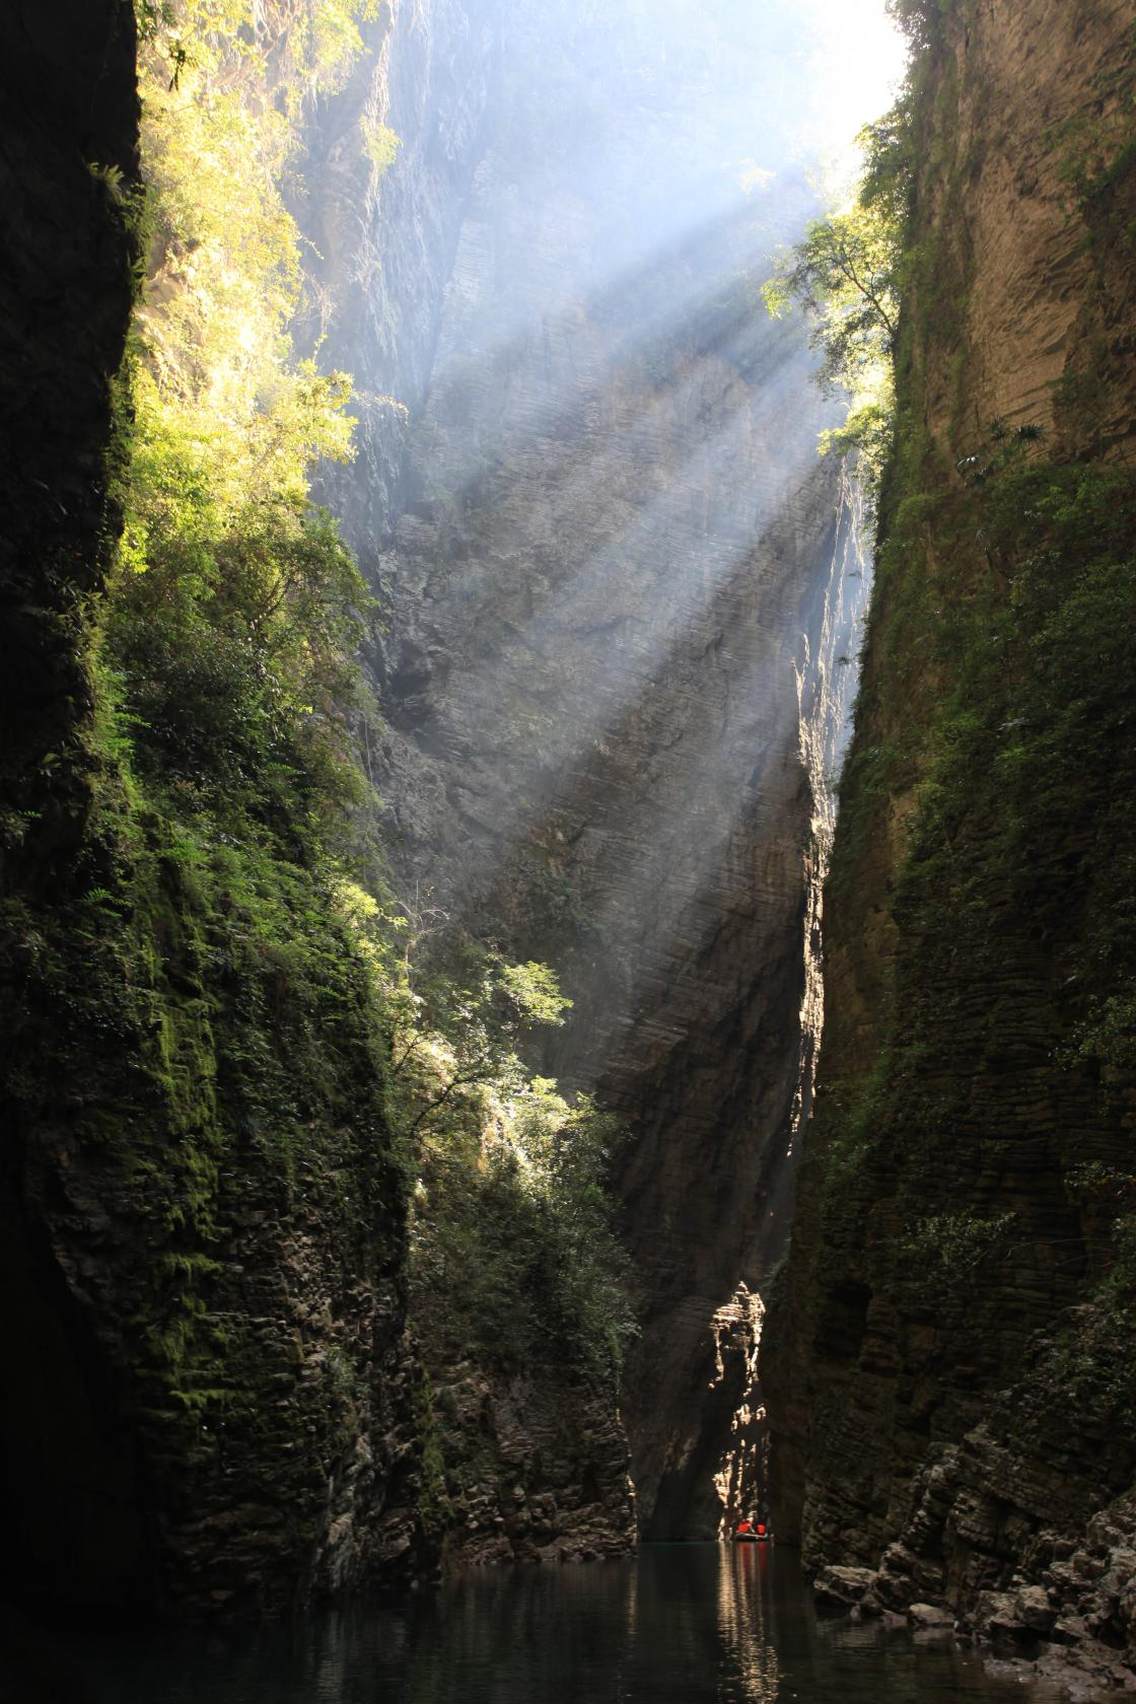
x,y
1069,1619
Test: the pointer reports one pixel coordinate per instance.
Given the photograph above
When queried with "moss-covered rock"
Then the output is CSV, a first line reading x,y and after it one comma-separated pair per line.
x,y
208,1396
946,1363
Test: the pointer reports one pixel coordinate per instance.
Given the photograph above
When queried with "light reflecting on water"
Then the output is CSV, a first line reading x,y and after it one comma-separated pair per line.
x,y
679,1624
744,1615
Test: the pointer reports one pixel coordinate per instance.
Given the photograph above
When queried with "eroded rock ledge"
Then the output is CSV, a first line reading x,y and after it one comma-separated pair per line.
x,y
1068,1616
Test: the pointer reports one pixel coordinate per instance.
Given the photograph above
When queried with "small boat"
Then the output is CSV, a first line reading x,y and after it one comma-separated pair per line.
x,y
759,1534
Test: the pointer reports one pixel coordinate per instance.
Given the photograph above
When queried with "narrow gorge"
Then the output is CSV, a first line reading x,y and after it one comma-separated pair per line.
x,y
617,585
567,958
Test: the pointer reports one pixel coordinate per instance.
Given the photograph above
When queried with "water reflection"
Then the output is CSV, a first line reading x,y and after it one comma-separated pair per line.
x,y
680,1624
751,1671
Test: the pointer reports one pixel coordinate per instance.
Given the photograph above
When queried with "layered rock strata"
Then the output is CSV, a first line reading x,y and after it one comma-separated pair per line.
x,y
946,1364
536,1464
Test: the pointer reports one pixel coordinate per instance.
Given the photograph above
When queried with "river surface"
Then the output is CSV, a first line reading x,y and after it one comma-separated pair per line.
x,y
678,1624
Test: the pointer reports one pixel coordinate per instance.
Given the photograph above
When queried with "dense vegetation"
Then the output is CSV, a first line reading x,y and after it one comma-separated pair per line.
x,y
1005,580
230,643
513,1258
1017,873
265,1069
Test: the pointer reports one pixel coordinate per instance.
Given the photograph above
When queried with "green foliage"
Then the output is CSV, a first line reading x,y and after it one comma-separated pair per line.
x,y
228,1040
939,1255
1086,1365
232,624
866,435
534,993
848,275
888,181
233,647
921,20
1099,145
1034,740
513,1253
867,781
1096,1181
844,276
1004,447
192,993
381,145
224,86
1013,888
434,1506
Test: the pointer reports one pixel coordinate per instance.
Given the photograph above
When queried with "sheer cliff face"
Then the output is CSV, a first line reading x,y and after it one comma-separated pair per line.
x,y
382,234
67,288
618,589
946,1382
64,311
208,1402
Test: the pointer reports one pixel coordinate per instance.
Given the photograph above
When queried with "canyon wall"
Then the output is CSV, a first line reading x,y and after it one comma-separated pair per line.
x,y
208,1401
619,591
948,1360
618,598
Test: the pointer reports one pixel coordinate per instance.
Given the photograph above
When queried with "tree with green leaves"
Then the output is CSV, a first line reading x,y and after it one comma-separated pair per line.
x,y
847,276
844,275
514,1254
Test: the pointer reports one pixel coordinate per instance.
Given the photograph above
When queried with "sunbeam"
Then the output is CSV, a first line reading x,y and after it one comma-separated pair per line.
x,y
528,1022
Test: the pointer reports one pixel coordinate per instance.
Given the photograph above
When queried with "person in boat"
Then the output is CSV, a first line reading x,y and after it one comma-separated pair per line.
x,y
743,1528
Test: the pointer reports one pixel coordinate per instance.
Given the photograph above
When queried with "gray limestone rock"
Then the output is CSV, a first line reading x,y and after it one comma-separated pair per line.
x,y
620,599
930,1617
842,1587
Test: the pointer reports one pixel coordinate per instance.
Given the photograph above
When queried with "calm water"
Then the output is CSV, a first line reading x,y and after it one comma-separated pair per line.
x,y
679,1624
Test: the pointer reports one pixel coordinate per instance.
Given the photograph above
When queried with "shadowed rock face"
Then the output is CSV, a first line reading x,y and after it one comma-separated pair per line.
x,y
68,86
65,301
948,1363
151,1061
618,586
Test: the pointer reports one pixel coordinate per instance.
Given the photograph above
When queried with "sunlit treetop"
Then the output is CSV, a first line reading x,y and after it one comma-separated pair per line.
x,y
224,86
847,275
